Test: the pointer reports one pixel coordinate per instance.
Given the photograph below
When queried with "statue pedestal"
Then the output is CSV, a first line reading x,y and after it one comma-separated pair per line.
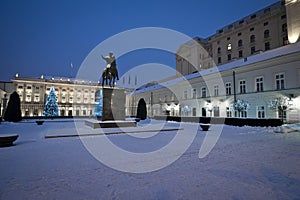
x,y
113,104
111,109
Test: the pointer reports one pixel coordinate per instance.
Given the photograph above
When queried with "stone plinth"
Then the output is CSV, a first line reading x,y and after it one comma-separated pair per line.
x,y
109,124
113,104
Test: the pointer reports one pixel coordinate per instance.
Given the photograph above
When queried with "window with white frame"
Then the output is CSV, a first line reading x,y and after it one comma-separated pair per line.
x,y
28,98
279,80
260,112
228,112
63,99
203,92
228,88
259,81
216,90
242,86
194,93
36,98
185,94
243,114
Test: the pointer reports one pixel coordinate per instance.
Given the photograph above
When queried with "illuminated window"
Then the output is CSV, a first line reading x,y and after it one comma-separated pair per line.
x,y
229,47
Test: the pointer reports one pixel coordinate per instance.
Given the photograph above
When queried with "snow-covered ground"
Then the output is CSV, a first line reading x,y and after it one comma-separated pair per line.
x,y
246,163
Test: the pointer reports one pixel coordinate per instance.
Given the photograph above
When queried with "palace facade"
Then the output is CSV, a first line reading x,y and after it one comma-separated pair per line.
x,y
260,81
74,98
269,28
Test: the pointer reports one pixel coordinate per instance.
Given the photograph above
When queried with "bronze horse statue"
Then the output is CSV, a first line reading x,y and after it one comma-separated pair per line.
x,y
110,74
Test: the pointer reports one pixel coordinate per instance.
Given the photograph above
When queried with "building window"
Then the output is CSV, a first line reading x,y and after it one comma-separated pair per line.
x,y
28,98
240,54
239,34
260,112
194,93
253,16
241,22
279,79
243,114
282,114
240,43
266,23
259,84
20,86
36,98
228,38
229,57
283,17
185,94
252,29
219,49
266,34
252,38
203,92
229,47
267,46
252,50
242,86
228,88
228,112
219,60
284,28
216,90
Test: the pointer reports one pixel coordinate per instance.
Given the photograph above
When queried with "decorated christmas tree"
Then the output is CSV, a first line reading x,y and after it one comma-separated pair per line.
x,y
51,107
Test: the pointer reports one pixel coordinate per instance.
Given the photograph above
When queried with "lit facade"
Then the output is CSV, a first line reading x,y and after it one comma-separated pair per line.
x,y
266,29
74,98
259,81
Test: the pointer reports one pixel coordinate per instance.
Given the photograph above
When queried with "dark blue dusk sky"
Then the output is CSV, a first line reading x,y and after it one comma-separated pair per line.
x,y
45,36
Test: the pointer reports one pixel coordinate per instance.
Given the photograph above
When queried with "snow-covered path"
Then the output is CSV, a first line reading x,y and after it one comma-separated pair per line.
x,y
246,163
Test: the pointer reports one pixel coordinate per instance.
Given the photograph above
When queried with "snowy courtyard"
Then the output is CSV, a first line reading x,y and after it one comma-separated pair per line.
x,y
245,163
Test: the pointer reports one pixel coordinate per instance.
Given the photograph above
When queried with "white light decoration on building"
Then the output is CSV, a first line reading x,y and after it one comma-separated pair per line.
x,y
293,20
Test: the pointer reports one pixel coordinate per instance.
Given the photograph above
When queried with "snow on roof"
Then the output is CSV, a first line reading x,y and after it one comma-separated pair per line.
x,y
267,55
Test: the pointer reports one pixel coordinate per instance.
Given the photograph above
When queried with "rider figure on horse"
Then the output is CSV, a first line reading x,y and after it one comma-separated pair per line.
x,y
110,72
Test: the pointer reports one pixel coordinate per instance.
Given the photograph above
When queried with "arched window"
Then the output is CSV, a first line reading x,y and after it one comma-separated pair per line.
x,y
252,38
266,34
240,43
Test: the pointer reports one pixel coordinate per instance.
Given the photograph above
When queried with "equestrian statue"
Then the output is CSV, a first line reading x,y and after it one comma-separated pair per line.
x,y
110,73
